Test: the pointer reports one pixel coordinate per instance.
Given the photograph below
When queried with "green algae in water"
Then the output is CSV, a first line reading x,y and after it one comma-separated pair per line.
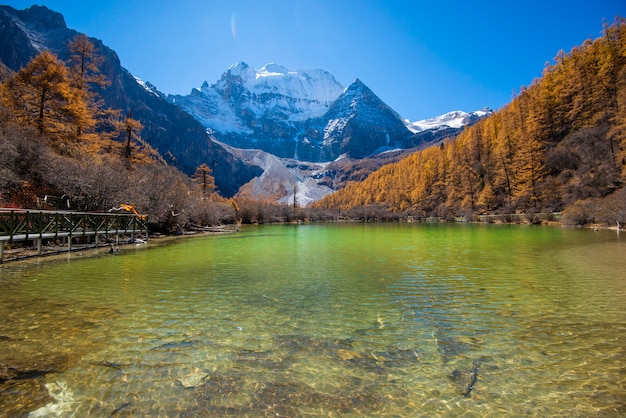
x,y
344,320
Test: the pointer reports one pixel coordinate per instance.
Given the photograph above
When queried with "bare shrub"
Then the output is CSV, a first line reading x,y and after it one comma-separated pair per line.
x,y
578,214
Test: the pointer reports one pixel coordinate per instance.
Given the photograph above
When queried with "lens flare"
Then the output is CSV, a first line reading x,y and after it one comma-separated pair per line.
x,y
233,26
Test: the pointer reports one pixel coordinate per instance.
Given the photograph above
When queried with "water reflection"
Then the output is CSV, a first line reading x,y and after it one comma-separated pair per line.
x,y
375,320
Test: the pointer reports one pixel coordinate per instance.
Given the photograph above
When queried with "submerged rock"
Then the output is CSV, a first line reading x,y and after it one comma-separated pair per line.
x,y
29,367
40,338
466,379
33,395
193,379
347,354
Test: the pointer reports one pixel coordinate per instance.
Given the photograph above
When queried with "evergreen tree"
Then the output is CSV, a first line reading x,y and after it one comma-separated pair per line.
x,y
40,95
84,74
131,128
204,179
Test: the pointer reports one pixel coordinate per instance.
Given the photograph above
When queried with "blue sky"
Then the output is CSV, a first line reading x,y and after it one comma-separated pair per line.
x,y
422,58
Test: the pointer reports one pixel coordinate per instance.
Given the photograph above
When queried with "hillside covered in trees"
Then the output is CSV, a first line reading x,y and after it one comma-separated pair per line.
x,y
560,145
61,148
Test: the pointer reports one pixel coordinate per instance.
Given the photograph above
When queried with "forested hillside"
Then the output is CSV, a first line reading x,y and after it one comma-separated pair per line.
x,y
560,145
61,148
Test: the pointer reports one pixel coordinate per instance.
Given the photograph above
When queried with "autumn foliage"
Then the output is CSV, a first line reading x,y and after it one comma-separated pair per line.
x,y
560,142
559,146
58,142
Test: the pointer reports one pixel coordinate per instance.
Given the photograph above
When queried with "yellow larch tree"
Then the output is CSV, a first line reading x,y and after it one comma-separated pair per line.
x,y
40,95
84,74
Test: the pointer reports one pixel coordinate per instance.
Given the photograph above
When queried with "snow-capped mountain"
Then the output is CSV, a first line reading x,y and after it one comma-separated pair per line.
x,y
303,129
300,114
265,108
455,119
357,124
274,89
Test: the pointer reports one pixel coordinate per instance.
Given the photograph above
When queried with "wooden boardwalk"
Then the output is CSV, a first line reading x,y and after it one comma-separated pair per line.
x,y
36,226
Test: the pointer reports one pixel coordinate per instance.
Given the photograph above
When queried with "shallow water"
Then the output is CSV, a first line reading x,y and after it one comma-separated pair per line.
x,y
324,320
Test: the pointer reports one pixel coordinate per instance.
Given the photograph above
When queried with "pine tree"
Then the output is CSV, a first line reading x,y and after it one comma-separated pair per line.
x,y
612,74
131,128
204,179
40,95
84,74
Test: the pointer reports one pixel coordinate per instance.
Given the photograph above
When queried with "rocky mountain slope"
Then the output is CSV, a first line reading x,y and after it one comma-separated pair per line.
x,y
358,124
179,138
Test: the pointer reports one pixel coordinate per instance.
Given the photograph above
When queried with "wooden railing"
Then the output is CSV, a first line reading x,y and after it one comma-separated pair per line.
x,y
37,225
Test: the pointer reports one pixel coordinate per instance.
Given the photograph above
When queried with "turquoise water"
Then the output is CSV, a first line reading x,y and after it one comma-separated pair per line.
x,y
325,320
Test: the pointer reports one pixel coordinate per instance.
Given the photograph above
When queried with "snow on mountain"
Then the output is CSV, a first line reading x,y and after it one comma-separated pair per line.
x,y
244,95
454,119
149,87
292,123
304,93
358,123
212,110
241,70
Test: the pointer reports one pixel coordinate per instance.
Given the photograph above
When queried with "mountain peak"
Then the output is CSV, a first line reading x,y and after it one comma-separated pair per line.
x,y
240,71
361,124
359,96
238,66
269,104
454,119
43,17
273,69
357,84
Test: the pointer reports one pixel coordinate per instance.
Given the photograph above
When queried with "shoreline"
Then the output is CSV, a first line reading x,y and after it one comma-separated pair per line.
x,y
54,253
